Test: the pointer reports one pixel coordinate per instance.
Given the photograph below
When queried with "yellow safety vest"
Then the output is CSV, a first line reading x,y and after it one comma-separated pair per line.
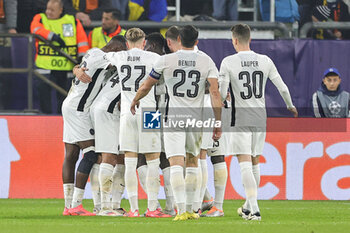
x,y
47,58
99,39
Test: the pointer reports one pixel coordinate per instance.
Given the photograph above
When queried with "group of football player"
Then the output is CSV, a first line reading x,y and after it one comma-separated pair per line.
x,y
104,115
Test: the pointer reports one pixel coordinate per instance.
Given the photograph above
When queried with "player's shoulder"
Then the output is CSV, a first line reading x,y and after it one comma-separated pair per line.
x,y
95,51
151,54
230,58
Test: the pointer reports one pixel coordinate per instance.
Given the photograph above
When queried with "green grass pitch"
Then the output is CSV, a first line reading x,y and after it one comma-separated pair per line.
x,y
44,215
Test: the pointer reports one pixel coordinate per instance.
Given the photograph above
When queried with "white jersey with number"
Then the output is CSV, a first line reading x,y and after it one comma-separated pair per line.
x,y
133,67
81,95
185,73
245,74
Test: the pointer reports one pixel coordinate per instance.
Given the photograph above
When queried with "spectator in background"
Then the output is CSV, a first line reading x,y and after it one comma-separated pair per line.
x,y
100,36
65,32
122,6
26,11
8,23
225,9
87,10
142,10
330,100
8,16
332,10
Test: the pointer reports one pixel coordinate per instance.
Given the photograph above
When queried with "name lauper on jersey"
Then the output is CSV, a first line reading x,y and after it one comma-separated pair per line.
x,y
81,95
133,67
185,73
247,73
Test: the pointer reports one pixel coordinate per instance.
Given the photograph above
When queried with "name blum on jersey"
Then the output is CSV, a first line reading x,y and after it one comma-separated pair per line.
x,y
153,119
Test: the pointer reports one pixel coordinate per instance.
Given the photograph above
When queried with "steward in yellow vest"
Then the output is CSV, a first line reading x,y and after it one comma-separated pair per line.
x,y
100,36
66,31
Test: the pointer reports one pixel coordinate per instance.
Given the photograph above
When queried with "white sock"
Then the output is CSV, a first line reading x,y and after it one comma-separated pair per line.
x,y
197,201
105,178
169,204
204,169
207,195
191,185
152,183
118,185
249,184
256,173
177,181
142,172
220,179
95,186
131,182
68,190
77,197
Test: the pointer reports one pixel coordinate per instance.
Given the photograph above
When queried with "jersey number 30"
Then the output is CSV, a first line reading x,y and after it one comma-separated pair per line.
x,y
253,86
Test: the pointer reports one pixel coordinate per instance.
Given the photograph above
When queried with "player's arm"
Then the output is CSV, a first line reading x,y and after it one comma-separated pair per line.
x,y
283,89
224,81
142,92
216,105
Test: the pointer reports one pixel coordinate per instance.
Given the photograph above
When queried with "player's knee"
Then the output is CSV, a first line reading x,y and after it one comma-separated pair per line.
x,y
164,162
217,159
89,159
141,160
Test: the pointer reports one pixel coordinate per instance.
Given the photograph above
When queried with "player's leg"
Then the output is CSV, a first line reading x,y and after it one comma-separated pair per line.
x,y
82,175
129,143
174,144
95,185
68,170
142,170
248,181
105,180
131,182
177,182
169,204
118,185
152,183
191,182
197,202
220,179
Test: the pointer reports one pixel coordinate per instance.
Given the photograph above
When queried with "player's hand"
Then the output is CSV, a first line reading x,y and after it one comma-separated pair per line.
x,y
217,133
81,75
294,111
134,104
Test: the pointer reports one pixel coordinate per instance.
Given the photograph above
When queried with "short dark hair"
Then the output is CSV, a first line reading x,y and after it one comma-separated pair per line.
x,y
120,40
116,14
241,32
156,40
188,36
172,33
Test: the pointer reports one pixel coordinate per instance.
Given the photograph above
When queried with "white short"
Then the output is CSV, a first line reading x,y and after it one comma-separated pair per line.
x,y
213,148
247,141
134,138
181,142
77,126
106,127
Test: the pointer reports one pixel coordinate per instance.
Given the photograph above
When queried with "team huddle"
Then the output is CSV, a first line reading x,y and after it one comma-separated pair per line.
x,y
104,117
